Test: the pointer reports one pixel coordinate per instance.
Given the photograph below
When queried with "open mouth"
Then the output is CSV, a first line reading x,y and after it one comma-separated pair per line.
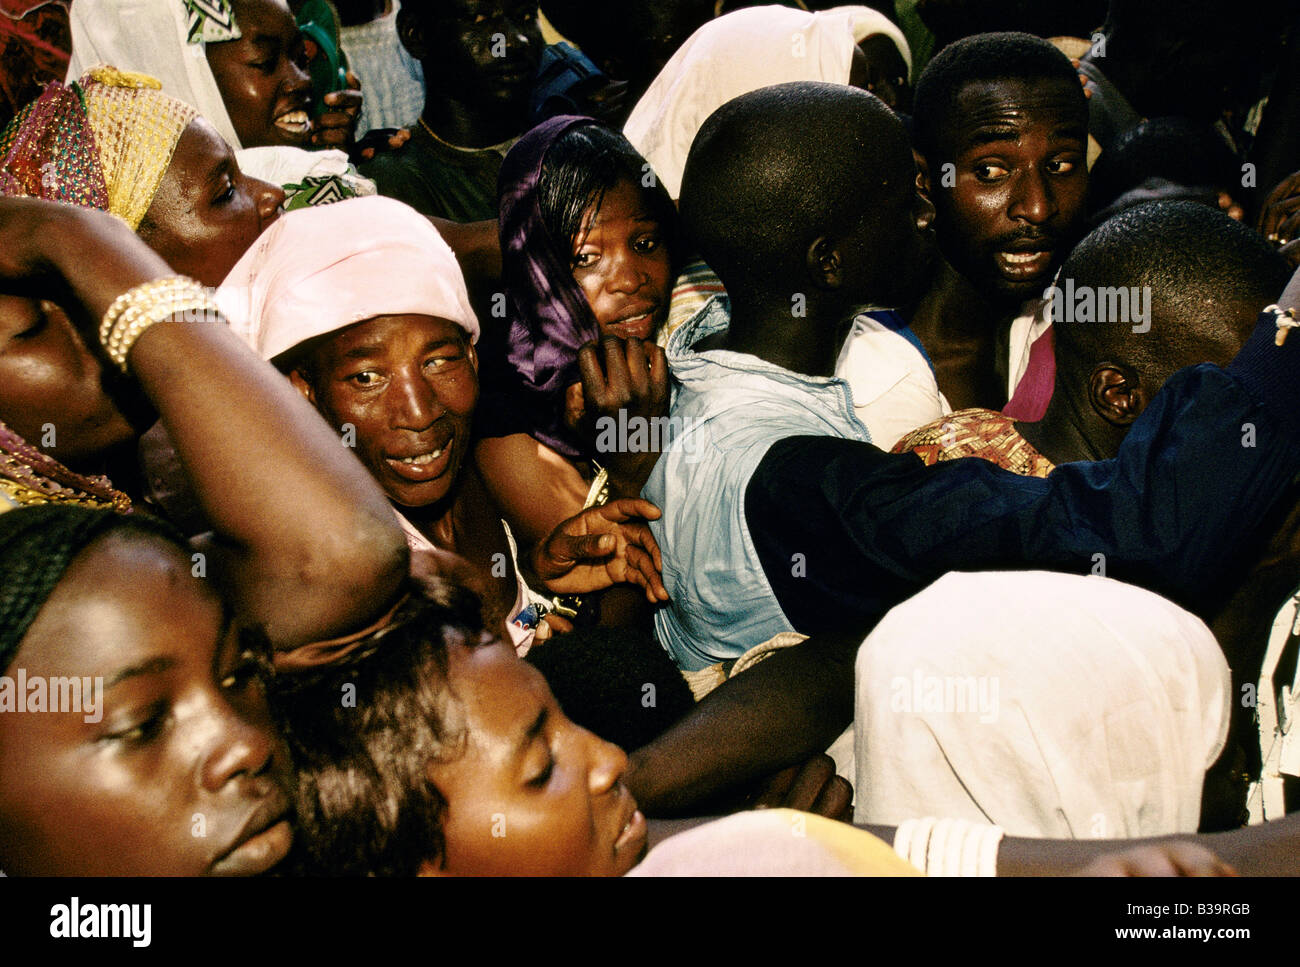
x,y
296,123
639,325
1023,265
422,467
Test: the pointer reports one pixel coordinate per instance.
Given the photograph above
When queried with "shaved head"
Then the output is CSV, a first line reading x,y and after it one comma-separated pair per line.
x,y
774,170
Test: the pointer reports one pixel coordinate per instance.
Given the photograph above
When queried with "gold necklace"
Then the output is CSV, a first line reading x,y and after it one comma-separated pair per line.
x,y
500,149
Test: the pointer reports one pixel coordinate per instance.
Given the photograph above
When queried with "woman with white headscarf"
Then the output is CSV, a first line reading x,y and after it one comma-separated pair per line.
x,y
201,54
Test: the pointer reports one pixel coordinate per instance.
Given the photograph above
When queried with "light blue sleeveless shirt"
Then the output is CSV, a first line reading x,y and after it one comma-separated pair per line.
x,y
727,409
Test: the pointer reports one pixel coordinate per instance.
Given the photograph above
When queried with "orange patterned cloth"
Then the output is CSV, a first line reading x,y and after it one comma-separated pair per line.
x,y
976,432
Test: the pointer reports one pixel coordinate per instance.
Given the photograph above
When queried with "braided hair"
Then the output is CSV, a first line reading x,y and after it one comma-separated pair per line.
x,y
37,546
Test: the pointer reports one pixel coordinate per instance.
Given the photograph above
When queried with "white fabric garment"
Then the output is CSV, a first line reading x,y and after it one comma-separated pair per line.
x,y
391,79
286,165
893,386
1026,328
738,53
148,36
320,269
1053,705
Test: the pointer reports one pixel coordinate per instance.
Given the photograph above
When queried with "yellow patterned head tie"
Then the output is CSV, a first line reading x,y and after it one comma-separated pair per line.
x,y
136,127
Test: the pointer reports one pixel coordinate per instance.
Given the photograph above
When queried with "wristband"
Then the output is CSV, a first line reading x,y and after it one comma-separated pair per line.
x,y
136,309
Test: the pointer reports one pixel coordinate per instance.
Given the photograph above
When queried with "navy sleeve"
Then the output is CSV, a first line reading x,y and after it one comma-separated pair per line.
x,y
844,531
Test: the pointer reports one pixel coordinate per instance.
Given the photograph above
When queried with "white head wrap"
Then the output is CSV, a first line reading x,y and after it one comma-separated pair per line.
x,y
738,53
322,269
148,36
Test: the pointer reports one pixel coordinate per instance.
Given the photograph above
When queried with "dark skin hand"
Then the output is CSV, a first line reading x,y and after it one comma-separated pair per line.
x,y
1279,220
812,787
629,375
337,127
216,398
379,140
600,547
777,714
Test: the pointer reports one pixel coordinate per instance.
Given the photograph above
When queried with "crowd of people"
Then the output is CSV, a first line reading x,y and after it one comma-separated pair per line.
x,y
666,437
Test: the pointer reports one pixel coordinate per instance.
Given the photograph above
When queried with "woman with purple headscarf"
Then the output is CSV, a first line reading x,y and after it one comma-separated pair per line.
x,y
588,249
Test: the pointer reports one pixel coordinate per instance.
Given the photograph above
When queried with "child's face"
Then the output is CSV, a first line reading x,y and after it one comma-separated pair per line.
x,y
622,264
533,793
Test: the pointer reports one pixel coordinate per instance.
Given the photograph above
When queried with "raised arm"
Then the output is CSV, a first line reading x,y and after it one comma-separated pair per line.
x,y
306,542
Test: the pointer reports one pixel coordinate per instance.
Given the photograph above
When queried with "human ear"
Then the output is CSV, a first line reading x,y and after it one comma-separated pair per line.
x,y
411,33
923,207
824,263
472,353
1116,394
303,386
922,173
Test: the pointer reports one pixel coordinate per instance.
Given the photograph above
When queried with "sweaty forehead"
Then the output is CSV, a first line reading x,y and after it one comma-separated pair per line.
x,y
125,599
1050,102
502,694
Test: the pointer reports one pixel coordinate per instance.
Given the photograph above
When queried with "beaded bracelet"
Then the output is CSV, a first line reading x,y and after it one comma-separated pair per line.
x,y
135,310
1286,321
949,847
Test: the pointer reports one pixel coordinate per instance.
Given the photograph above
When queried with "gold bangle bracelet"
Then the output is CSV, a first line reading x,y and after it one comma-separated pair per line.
x,y
137,309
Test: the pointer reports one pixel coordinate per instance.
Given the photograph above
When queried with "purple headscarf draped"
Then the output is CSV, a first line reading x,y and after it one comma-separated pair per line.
x,y
550,318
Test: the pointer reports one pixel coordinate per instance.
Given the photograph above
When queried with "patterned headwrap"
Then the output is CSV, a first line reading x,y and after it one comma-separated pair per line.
x,y
37,545
550,318
29,476
104,142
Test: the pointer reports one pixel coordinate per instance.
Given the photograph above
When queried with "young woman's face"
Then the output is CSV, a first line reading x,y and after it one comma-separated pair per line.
x,y
206,212
532,793
407,385
183,773
622,263
262,76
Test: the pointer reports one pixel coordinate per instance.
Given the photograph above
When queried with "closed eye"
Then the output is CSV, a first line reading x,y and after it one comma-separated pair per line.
x,y
145,729
540,780
38,326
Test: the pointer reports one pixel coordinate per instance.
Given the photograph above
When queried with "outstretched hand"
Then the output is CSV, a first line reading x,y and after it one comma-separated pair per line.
x,y
603,546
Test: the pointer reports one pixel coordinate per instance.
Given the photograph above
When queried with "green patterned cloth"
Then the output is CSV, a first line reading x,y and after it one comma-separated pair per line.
x,y
210,21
